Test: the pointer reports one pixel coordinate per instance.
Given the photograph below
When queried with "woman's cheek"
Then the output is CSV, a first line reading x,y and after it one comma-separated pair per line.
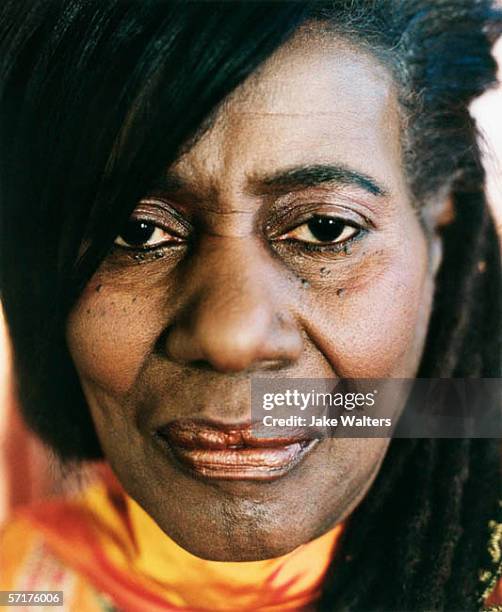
x,y
377,329
109,335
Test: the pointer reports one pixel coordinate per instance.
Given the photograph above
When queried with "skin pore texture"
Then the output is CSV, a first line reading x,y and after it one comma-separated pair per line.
x,y
234,287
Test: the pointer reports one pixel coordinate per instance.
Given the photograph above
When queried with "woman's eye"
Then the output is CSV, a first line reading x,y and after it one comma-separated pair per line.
x,y
323,230
141,234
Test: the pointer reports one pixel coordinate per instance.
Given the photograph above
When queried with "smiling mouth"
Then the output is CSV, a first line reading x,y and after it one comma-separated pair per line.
x,y
234,452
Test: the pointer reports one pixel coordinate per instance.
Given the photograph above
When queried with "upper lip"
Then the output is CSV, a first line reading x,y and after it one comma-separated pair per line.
x,y
210,435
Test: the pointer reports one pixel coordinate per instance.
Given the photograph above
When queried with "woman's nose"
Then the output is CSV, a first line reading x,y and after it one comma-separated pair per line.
x,y
237,317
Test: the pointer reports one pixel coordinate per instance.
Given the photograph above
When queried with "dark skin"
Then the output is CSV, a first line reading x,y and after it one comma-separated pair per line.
x,y
232,286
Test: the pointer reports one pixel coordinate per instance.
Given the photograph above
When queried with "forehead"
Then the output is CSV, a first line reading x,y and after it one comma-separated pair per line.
x,y
318,99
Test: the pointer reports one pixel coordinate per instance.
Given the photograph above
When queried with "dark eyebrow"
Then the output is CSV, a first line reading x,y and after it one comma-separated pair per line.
x,y
311,176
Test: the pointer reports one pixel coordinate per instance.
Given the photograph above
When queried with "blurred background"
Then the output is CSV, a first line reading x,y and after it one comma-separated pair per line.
x,y
28,471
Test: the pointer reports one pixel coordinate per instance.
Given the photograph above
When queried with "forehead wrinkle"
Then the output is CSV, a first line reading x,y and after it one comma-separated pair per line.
x,y
213,166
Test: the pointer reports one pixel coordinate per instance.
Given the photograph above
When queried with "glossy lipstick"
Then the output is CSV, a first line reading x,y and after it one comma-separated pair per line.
x,y
235,452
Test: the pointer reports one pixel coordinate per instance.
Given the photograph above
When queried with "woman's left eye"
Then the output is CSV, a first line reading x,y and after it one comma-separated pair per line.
x,y
141,234
323,230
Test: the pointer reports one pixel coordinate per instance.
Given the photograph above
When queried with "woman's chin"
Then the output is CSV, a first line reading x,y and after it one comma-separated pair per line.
x,y
254,547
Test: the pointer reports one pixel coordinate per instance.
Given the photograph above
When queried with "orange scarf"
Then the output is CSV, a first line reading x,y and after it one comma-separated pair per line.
x,y
103,550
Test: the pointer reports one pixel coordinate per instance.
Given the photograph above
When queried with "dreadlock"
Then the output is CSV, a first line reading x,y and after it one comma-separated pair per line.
x,y
420,549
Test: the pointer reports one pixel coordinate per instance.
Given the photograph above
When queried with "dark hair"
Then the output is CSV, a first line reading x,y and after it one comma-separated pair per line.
x,y
88,92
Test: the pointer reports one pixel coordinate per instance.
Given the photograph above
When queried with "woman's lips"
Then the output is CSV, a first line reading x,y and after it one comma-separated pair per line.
x,y
235,452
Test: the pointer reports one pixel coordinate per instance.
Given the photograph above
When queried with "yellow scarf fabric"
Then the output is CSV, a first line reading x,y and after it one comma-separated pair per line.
x,y
113,555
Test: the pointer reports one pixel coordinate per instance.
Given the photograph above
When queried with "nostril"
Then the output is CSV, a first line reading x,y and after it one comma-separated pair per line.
x,y
201,364
270,365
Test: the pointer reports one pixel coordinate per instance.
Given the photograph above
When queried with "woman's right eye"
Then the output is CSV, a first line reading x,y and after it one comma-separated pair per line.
x,y
142,234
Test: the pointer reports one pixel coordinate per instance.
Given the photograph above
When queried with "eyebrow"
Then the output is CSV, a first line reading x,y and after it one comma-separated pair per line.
x,y
311,176
296,177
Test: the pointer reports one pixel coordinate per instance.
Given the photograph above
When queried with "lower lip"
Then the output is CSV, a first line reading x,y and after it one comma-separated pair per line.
x,y
260,464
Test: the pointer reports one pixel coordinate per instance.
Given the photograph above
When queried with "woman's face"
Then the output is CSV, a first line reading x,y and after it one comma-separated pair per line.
x,y
245,277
